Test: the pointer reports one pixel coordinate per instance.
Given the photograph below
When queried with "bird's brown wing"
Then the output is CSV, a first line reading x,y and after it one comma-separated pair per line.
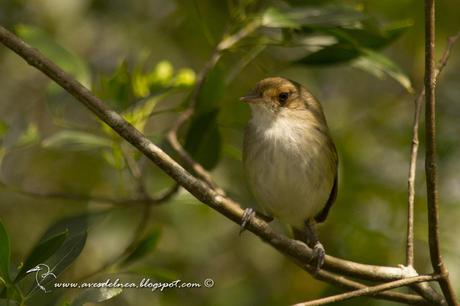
x,y
321,217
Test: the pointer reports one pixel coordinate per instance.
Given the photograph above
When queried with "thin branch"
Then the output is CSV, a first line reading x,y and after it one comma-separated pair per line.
x,y
134,170
414,151
187,160
200,190
164,197
430,158
136,174
348,284
370,290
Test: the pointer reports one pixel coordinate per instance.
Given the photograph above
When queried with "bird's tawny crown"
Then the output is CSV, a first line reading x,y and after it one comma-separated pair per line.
x,y
275,92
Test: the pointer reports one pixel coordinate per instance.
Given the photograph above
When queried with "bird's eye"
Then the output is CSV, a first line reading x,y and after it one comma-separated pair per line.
x,y
282,97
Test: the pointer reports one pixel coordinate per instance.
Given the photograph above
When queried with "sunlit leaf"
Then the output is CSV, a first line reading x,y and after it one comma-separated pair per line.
x,y
156,81
96,295
30,136
185,77
145,246
163,73
380,65
275,18
76,141
139,115
203,139
5,253
311,16
41,252
334,15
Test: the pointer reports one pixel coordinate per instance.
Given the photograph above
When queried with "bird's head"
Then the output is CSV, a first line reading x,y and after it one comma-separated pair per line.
x,y
277,96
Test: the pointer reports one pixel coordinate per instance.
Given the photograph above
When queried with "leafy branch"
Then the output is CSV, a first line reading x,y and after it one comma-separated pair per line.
x,y
299,252
200,184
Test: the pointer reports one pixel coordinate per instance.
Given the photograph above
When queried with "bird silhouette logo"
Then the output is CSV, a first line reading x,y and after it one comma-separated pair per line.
x,y
42,271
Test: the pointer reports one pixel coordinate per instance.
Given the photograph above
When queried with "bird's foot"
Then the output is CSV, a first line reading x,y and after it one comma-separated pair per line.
x,y
317,260
248,214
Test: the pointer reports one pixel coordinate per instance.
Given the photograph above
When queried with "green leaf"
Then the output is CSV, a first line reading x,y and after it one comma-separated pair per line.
x,y
203,140
346,44
5,253
41,252
185,77
76,228
30,136
114,157
332,54
351,42
96,295
76,141
3,129
311,16
371,35
117,89
334,15
380,65
275,18
146,245
212,91
59,55
140,114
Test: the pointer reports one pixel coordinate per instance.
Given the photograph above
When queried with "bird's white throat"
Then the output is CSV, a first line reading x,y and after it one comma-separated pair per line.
x,y
280,126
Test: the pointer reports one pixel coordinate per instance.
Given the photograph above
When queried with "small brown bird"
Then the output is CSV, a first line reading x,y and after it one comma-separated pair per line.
x,y
290,158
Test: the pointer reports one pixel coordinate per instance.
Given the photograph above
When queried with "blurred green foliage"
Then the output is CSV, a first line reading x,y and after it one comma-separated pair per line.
x,y
142,58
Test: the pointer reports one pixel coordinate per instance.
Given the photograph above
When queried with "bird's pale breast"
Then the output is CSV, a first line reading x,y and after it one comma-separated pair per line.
x,y
290,167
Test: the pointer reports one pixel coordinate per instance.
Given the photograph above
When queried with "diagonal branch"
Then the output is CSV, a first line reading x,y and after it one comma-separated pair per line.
x,y
431,168
370,290
199,189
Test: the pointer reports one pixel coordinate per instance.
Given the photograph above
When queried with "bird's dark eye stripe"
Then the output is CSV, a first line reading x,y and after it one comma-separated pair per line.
x,y
282,97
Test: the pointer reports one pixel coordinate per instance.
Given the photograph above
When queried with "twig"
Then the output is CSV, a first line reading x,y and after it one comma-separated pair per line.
x,y
370,290
136,174
200,190
430,158
166,196
348,284
414,151
191,164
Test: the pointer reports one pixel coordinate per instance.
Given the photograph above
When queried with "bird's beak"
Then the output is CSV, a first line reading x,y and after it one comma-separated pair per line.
x,y
251,97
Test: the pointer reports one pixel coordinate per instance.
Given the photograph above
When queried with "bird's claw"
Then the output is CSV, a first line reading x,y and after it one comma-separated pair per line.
x,y
248,214
317,260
